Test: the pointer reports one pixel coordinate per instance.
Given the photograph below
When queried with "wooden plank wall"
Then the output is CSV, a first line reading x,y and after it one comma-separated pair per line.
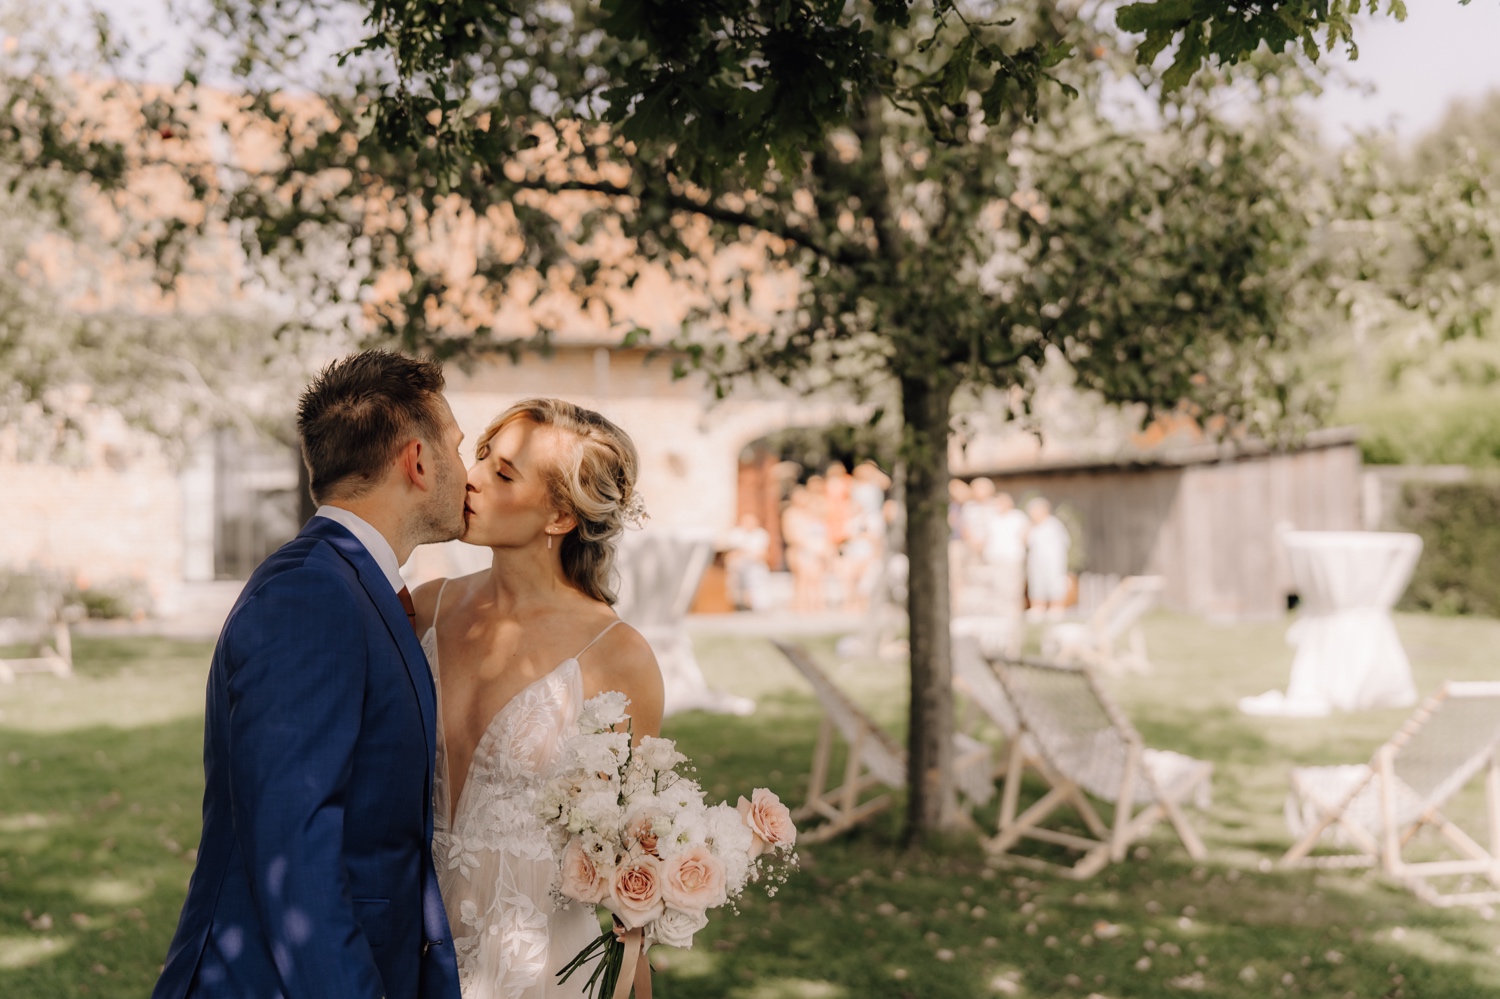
x,y
1210,528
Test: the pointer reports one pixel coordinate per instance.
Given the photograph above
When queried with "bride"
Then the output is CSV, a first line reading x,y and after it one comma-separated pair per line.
x,y
514,652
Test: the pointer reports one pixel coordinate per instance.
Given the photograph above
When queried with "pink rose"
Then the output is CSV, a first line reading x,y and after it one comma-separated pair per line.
x,y
581,878
768,819
641,830
635,891
693,881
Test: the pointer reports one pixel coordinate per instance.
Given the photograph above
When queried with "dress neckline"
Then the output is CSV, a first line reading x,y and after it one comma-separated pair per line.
x,y
490,726
489,729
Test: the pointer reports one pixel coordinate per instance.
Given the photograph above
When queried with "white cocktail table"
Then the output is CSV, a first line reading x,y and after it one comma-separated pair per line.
x,y
1348,657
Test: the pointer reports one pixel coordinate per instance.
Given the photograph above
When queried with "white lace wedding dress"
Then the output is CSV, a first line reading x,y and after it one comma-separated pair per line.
x,y
495,866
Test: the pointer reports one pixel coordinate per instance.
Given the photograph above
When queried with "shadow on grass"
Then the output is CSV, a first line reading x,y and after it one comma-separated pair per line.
x,y
866,918
97,825
97,828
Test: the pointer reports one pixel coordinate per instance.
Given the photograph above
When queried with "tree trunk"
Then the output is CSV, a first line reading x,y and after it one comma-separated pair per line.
x,y
926,408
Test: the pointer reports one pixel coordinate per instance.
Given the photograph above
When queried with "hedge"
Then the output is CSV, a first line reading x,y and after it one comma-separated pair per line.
x,y
1459,571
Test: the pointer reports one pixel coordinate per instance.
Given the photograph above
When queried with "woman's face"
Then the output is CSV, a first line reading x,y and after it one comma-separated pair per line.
x,y
508,505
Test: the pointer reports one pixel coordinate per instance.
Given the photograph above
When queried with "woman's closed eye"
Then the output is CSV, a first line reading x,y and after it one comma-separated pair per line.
x,y
502,475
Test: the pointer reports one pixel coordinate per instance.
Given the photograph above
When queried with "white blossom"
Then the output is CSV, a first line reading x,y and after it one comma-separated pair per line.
x,y
602,711
659,754
677,929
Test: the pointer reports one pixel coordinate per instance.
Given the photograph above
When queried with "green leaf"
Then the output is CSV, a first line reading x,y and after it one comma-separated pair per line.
x,y
955,77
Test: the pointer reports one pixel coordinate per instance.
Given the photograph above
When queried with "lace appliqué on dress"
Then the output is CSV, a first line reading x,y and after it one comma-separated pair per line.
x,y
495,864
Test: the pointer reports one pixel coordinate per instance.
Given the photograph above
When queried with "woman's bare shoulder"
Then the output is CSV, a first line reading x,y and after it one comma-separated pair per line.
x,y
623,660
425,597
624,648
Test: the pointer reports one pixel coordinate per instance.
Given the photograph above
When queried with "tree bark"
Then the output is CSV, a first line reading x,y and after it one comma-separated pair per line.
x,y
925,404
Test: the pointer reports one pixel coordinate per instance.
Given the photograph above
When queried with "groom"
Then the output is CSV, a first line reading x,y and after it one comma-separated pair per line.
x,y
315,877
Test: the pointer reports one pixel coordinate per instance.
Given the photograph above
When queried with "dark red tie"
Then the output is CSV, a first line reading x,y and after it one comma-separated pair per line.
x,y
409,607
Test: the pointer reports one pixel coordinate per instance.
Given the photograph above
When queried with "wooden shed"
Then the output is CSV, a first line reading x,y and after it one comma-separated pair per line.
x,y
1204,516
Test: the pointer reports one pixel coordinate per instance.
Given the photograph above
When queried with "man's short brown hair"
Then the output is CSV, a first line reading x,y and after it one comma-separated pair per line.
x,y
359,412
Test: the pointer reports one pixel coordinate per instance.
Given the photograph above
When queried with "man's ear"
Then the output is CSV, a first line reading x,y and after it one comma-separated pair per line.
x,y
413,462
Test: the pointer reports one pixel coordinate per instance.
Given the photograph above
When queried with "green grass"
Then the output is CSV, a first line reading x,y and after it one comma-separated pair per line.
x,y
100,783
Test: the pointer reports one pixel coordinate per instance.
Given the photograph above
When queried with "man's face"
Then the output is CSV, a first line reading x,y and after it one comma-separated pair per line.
x,y
445,502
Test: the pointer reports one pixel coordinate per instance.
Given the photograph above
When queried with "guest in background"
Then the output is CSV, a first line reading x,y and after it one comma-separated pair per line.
x,y
746,564
1004,555
869,487
958,552
806,549
1047,547
838,502
862,562
974,515
972,596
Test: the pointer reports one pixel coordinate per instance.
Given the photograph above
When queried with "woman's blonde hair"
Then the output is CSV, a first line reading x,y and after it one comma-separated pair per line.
x,y
594,480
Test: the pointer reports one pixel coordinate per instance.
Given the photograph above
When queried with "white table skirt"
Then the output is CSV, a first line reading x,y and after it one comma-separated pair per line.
x,y
1348,657
659,575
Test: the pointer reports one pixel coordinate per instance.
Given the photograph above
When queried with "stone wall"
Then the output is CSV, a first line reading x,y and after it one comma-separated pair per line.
x,y
120,510
110,513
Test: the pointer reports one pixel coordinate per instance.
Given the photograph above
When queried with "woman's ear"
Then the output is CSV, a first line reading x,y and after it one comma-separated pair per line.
x,y
561,523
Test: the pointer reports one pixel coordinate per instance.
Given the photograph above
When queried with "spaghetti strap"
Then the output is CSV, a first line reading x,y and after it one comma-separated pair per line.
x,y
439,605
596,637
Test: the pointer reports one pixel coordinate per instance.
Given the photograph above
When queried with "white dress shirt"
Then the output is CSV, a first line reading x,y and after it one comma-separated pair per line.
x,y
375,543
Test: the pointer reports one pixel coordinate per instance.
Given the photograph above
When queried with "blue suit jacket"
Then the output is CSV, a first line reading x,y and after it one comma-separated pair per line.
x,y
315,877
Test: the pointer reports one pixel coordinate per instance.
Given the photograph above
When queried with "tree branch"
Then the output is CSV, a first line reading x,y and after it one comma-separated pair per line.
x,y
718,213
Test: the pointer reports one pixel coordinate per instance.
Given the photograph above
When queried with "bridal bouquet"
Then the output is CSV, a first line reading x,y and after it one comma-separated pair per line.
x,y
635,836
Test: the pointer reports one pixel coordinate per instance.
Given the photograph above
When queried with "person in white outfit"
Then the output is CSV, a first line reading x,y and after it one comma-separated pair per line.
x,y
748,547
1004,555
1047,547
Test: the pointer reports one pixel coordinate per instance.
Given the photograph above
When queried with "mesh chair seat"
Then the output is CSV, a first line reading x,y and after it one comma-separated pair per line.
x,y
1096,762
1085,745
1170,770
1317,790
1445,744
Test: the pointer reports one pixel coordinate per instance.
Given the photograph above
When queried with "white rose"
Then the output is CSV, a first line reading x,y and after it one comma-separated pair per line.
x,y
659,754
680,794
677,929
595,811
601,752
603,711
731,840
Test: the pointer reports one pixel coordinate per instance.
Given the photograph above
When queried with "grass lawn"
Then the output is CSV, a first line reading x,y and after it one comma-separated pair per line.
x,y
100,782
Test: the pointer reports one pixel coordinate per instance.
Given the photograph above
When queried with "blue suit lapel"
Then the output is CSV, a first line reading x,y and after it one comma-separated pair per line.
x,y
378,588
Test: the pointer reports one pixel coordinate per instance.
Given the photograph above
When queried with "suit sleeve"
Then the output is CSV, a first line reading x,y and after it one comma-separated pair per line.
x,y
296,683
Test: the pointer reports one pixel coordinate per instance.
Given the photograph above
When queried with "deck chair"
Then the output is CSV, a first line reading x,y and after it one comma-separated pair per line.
x,y
875,759
1085,747
985,700
1095,642
1374,810
56,658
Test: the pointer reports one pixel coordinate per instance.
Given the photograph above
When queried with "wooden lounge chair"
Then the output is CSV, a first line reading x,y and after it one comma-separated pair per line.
x,y
985,700
1095,642
56,658
1374,810
1083,746
875,759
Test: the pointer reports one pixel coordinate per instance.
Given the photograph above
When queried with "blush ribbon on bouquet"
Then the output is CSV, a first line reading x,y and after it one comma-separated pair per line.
x,y
636,969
